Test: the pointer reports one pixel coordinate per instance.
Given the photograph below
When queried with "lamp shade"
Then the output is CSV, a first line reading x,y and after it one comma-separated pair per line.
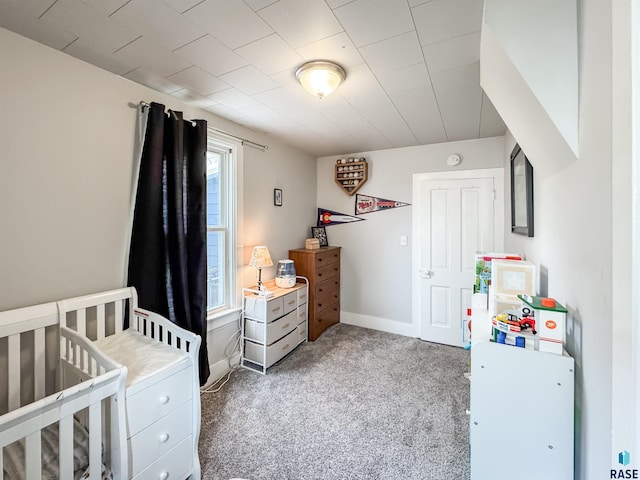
x,y
260,257
320,77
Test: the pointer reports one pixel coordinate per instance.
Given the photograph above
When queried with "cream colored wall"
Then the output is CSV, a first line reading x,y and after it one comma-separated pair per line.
x,y
67,137
375,275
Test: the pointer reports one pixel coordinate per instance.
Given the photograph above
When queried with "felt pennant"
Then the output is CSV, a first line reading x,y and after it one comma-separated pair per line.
x,y
367,204
329,217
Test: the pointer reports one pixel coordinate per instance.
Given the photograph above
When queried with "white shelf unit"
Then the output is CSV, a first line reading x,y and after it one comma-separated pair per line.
x,y
522,413
272,327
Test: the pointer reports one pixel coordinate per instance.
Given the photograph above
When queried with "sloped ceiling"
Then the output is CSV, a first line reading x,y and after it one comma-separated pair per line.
x,y
412,65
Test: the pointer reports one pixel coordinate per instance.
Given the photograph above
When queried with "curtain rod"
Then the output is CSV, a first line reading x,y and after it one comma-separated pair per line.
x,y
253,144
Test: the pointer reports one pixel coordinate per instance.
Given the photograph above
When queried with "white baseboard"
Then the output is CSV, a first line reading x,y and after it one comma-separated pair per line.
x,y
376,323
221,368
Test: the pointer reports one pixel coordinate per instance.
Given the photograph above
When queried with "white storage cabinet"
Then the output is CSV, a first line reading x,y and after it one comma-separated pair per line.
x,y
272,327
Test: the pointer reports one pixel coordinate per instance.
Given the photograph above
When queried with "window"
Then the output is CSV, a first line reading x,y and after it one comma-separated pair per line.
x,y
221,224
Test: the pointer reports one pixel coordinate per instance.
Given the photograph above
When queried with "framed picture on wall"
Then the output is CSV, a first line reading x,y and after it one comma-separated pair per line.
x,y
277,197
321,234
521,193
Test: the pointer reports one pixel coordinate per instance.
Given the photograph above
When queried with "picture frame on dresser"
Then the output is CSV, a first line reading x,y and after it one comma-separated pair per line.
x,y
321,234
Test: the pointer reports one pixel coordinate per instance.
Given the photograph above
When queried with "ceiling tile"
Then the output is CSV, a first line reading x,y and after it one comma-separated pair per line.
x,y
270,55
393,53
407,78
159,22
230,21
259,4
198,80
249,80
211,55
90,24
193,98
107,6
180,6
491,124
152,57
17,21
337,3
368,21
456,78
337,48
452,103
108,61
458,51
300,23
234,98
153,81
33,8
441,20
419,109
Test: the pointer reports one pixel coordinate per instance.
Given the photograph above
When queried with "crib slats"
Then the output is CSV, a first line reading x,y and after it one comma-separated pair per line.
x,y
39,364
118,316
14,371
81,319
95,439
33,456
65,447
100,321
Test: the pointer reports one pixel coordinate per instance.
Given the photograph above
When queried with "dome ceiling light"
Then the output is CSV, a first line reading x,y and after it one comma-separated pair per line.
x,y
320,77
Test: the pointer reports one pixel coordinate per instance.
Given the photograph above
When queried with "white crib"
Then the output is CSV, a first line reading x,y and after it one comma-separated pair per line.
x,y
57,390
162,390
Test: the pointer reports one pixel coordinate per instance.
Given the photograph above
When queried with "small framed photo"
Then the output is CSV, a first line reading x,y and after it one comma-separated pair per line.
x,y
321,234
277,197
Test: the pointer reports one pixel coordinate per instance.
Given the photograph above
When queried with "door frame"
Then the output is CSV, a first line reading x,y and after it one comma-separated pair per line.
x,y
498,227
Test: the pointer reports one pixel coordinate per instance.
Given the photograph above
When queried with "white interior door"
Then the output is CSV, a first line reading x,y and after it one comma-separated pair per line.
x,y
453,219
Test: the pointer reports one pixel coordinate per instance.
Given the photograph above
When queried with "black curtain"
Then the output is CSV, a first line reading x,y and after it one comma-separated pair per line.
x,y
168,254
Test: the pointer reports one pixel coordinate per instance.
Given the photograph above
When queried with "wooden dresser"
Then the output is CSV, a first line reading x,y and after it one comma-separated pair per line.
x,y
322,268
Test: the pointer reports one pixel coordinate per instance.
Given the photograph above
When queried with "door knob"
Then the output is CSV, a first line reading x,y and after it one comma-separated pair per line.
x,y
426,273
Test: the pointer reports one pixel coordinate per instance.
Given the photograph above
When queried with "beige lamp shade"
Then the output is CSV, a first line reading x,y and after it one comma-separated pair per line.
x,y
320,77
260,257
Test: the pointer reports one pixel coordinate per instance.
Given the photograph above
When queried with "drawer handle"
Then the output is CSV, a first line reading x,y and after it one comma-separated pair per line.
x,y
275,309
285,326
163,438
164,399
164,475
285,346
292,302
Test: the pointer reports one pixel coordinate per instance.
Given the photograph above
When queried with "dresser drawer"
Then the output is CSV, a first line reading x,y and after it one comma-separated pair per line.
x,y
303,296
326,257
326,291
275,330
175,464
324,319
258,308
159,438
290,301
328,271
302,332
302,313
146,406
253,351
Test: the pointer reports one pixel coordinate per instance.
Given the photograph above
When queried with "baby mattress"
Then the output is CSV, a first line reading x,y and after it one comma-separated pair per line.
x,y
141,355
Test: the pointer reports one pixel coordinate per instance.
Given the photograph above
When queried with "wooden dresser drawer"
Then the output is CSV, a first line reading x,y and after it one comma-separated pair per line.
x,y
327,271
148,405
175,464
159,438
325,318
329,288
275,330
253,351
326,257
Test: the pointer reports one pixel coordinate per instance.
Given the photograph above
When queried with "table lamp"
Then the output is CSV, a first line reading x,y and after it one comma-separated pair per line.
x,y
260,259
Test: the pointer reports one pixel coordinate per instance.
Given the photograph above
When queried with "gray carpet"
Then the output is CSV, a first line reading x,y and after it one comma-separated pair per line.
x,y
354,404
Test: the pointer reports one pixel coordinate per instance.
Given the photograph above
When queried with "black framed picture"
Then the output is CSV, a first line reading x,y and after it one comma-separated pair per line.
x,y
521,193
277,197
321,234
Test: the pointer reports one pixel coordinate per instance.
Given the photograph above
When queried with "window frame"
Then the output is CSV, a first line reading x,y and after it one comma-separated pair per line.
x,y
230,152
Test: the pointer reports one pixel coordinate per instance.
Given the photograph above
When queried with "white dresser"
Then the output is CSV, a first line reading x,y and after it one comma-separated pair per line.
x,y
272,327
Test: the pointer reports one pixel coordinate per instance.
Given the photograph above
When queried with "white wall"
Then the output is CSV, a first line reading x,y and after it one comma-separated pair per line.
x,y
376,269
573,243
67,132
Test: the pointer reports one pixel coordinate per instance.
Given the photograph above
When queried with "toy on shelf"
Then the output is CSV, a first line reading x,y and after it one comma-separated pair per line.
x,y
550,318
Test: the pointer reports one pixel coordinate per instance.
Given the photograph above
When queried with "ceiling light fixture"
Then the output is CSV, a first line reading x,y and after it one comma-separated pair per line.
x,y
320,77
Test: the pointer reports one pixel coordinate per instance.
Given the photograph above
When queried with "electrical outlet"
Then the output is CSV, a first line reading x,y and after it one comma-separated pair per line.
x,y
403,240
